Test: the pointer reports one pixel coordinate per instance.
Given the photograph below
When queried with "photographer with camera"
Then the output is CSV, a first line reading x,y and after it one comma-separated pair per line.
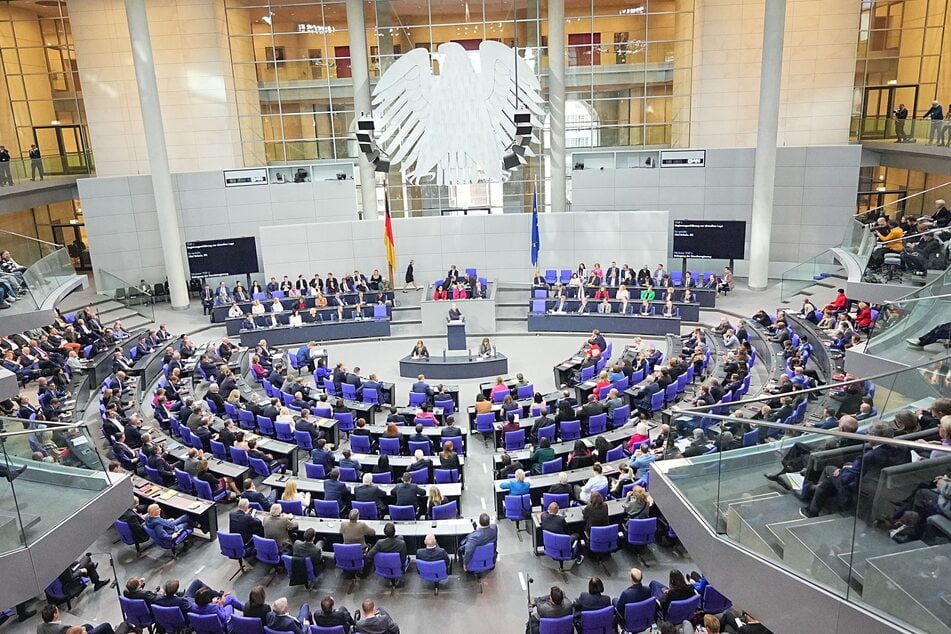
x,y
889,235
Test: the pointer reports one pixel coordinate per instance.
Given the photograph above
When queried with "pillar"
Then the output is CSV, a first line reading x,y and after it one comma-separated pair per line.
x,y
764,168
168,225
556,102
360,76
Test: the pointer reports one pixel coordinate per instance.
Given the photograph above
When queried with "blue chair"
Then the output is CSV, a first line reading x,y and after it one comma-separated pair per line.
x,y
570,430
170,619
432,571
485,425
405,513
153,475
203,490
127,536
370,395
167,543
232,547
562,499
239,456
551,276
327,508
219,450
304,441
390,567
265,426
680,611
184,482
360,444
314,471
349,391
316,629
368,510
517,509
416,399
260,467
565,276
657,402
603,540
329,387
446,511
288,562
246,625
390,446
714,602
548,432
558,547
56,594
597,424
587,373
136,612
284,432
561,625
382,478
615,453
422,445
294,507
344,422
419,476
514,440
598,621
457,445
349,559
266,551
538,306
751,438
379,314
640,616
205,624
446,476
498,397
348,474
483,561
552,466
246,419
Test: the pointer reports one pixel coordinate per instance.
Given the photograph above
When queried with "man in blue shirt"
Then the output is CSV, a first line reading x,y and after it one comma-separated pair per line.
x,y
170,529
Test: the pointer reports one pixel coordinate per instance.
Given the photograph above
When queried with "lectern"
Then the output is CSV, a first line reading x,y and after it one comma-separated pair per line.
x,y
456,334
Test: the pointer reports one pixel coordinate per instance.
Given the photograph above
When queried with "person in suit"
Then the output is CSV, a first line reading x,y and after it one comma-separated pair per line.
x,y
485,533
372,383
334,489
309,546
421,461
242,522
353,378
433,552
253,495
634,593
279,526
593,599
454,313
323,455
370,492
391,543
281,621
642,398
332,616
450,430
374,620
135,589
53,625
552,606
553,522
408,494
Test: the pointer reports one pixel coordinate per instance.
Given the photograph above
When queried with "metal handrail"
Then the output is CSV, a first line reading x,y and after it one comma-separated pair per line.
x,y
909,197
20,235
913,235
895,302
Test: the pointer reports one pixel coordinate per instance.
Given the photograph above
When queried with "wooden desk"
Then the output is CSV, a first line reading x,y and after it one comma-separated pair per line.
x,y
177,503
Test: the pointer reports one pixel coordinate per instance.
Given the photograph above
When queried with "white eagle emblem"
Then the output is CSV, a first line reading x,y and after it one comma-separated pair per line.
x,y
454,127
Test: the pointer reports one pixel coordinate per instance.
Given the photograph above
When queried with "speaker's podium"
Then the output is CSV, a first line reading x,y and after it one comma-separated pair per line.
x,y
456,334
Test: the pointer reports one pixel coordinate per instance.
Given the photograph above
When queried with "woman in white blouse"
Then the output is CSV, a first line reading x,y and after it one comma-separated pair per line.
x,y
277,307
623,296
235,311
257,308
295,319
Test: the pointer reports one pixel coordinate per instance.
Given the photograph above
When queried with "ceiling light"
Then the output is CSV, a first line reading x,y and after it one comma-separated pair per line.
x,y
638,10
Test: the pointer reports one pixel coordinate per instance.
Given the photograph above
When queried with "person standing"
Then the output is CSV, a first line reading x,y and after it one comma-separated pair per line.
x,y
935,113
901,114
36,163
5,177
410,278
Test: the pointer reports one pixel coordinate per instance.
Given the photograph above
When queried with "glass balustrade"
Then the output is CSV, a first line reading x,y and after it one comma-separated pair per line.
x,y
808,273
47,473
48,267
132,296
856,513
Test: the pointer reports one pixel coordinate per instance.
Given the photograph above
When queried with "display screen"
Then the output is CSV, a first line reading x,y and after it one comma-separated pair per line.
x,y
710,239
227,256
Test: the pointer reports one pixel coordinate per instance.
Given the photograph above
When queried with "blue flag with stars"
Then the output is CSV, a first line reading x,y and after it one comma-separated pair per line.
x,y
536,243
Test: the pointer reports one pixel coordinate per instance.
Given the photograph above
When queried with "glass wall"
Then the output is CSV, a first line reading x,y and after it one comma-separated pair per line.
x,y
627,80
898,62
900,191
44,105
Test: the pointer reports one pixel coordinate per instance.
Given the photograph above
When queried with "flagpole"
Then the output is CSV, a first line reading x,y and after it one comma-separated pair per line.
x,y
386,218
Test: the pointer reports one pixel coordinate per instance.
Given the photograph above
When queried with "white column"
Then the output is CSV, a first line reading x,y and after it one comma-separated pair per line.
x,y
360,75
556,102
764,169
158,153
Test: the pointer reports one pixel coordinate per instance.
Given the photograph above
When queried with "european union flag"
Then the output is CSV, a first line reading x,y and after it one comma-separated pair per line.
x,y
536,243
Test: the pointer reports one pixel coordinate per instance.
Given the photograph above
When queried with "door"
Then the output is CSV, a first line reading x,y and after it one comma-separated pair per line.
x,y
63,148
73,237
877,200
342,60
584,49
878,109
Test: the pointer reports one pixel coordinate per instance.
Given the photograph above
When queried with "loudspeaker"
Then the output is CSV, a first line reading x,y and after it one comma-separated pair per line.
x,y
524,129
511,161
364,134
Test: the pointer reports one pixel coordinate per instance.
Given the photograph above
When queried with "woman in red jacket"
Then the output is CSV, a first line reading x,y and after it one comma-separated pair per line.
x,y
440,293
863,318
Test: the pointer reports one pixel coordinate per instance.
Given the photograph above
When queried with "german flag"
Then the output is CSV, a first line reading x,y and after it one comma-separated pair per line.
x,y
388,240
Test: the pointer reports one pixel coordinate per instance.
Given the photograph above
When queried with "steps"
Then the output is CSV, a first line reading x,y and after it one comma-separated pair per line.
x,y
511,309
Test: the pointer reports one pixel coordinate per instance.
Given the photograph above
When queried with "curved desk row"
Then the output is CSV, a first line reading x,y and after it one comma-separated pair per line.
x,y
452,491
820,353
706,297
687,312
234,325
625,324
325,331
454,367
219,312
448,532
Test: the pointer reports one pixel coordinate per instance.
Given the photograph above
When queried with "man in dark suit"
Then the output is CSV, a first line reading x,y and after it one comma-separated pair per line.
x,y
51,615
135,589
553,522
242,522
390,543
593,599
334,489
322,455
253,495
450,430
418,435
373,384
485,533
599,340
306,423
434,552
552,606
421,461
248,323
339,376
421,387
634,593
408,494
331,616
642,398
271,410
353,378
281,621
592,408
370,492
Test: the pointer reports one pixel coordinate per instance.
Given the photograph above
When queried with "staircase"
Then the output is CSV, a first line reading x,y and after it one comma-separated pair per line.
x,y
511,307
108,310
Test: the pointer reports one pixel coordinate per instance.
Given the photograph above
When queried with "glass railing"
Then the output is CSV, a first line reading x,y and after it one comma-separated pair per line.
x,y
48,473
831,510
808,273
883,129
48,167
129,295
48,267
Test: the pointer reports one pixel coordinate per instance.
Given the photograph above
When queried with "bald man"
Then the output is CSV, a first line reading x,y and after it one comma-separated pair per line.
x,y
634,593
433,552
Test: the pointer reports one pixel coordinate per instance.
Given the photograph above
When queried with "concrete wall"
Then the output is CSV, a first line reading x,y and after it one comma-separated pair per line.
x,y
816,190
498,245
122,224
